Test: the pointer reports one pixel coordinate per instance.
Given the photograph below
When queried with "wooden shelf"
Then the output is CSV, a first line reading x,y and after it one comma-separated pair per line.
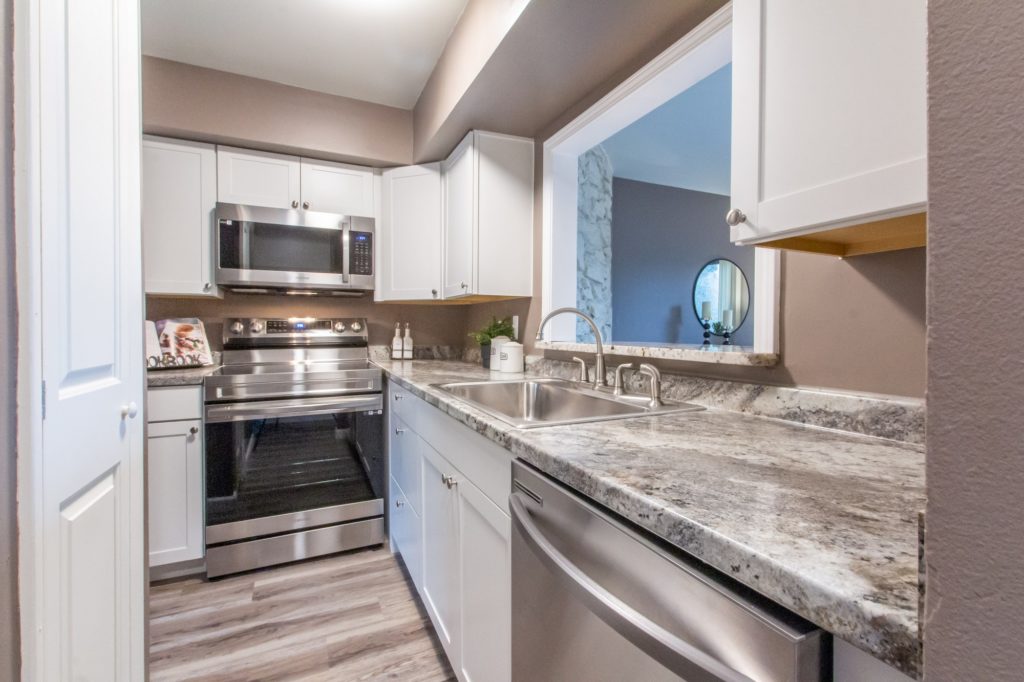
x,y
892,234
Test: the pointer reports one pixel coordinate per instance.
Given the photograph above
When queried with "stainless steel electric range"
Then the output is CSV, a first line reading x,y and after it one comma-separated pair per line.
x,y
294,438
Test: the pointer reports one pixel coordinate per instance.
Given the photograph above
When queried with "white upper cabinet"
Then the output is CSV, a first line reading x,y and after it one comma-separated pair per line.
x,y
488,217
409,235
179,193
258,178
828,114
337,188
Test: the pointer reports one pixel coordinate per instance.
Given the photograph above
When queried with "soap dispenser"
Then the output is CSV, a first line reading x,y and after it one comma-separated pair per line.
x,y
407,344
396,343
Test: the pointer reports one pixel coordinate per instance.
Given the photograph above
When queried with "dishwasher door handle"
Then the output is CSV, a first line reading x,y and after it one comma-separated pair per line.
x,y
674,653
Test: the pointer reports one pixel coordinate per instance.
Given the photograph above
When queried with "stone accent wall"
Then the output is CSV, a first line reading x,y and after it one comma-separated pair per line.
x,y
594,243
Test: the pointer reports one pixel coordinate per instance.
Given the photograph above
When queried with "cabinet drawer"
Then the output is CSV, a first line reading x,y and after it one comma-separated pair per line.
x,y
173,403
399,399
406,533
406,461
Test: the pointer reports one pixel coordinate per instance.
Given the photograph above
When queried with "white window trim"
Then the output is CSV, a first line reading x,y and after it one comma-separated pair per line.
x,y
696,55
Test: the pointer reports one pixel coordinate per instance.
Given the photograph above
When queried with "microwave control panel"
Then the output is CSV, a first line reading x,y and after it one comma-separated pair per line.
x,y
361,254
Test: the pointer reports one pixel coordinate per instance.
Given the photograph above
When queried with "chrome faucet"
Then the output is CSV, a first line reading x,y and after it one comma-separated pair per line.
x,y
619,388
599,380
655,394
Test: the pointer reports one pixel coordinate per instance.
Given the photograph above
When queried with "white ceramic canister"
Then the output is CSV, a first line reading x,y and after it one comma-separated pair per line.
x,y
496,343
512,358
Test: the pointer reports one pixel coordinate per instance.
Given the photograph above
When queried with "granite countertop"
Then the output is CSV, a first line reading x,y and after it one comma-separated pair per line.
x,y
820,521
179,377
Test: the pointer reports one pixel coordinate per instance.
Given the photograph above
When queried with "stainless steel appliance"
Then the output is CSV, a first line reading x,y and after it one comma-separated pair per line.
x,y
294,439
293,250
595,599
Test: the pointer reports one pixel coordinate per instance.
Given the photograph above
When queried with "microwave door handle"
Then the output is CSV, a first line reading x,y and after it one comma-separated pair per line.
x,y
674,653
346,244
246,246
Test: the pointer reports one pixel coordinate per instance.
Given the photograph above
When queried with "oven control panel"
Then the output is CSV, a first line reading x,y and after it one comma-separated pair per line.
x,y
295,329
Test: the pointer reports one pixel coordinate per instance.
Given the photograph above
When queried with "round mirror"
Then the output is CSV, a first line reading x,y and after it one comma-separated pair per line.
x,y
721,297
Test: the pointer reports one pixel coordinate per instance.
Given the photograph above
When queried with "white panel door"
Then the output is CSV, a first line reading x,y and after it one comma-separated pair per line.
x,y
337,188
441,550
486,602
179,194
829,112
410,234
460,213
257,178
505,215
87,590
174,477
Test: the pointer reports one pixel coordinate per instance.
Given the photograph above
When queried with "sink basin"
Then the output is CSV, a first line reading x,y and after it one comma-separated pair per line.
x,y
530,403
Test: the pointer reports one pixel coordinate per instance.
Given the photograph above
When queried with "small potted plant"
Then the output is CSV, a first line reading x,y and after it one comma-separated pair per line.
x,y
496,327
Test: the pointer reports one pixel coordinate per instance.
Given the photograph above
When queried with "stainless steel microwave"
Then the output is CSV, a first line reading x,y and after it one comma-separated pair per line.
x,y
293,250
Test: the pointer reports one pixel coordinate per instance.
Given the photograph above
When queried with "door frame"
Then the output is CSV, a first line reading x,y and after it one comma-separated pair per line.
x,y
694,56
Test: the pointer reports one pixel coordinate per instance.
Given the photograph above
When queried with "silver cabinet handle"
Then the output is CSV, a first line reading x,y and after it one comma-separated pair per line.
x,y
735,216
305,204
194,430
433,292
398,396
674,653
449,481
464,285
399,504
295,203
399,432
207,286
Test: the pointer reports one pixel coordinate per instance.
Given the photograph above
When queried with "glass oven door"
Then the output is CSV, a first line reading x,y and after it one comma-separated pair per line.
x,y
281,465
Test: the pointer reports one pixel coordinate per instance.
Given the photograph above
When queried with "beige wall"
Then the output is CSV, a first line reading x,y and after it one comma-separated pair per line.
x,y
9,642
429,324
196,103
974,601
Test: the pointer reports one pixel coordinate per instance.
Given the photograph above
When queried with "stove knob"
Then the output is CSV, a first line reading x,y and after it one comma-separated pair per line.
x,y
255,327
357,327
339,326
237,327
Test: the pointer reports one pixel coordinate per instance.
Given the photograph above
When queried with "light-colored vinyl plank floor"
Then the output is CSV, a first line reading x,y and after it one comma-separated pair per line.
x,y
347,617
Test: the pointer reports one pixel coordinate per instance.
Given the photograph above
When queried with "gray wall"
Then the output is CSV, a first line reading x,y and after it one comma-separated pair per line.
x,y
661,238
9,642
974,613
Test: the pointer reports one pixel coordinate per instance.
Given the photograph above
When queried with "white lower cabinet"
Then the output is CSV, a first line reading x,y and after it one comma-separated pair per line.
x,y
459,555
174,476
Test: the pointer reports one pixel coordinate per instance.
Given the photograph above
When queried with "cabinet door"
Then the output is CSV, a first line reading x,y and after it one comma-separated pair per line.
x,y
505,215
409,235
406,461
460,207
486,603
828,114
175,482
337,188
257,178
179,194
441,551
406,533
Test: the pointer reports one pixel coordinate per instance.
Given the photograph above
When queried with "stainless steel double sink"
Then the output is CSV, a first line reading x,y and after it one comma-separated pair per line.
x,y
532,403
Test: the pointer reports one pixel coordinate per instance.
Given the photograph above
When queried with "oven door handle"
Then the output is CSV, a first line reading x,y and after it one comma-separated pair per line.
x,y
270,409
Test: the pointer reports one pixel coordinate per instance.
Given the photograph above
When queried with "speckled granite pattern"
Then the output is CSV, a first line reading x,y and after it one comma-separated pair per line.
x,y
419,353
181,377
822,522
743,356
900,419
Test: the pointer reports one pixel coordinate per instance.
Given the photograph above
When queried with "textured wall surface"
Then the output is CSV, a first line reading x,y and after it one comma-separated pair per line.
x,y
594,243
974,614
9,642
661,238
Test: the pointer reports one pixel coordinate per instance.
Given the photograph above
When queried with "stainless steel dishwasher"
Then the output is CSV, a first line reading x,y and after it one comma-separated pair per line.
x,y
593,599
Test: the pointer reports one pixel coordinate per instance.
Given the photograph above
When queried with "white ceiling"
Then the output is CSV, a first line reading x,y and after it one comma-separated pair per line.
x,y
375,50
683,143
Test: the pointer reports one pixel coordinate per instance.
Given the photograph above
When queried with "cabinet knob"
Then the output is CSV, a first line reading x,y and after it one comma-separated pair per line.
x,y
464,285
399,432
398,396
433,292
735,216
129,410
305,204
295,203
399,504
449,481
207,286
194,430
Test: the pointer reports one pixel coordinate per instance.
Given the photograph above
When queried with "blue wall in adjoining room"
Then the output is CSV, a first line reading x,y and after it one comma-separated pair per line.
x,y
661,237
